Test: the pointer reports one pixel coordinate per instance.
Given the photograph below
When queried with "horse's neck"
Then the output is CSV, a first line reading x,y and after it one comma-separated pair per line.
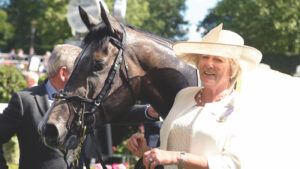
x,y
159,88
159,54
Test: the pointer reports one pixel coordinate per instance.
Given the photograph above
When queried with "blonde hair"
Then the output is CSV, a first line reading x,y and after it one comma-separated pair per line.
x,y
236,70
62,55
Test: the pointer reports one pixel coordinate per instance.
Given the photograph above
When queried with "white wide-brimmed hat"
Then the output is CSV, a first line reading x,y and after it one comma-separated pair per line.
x,y
219,42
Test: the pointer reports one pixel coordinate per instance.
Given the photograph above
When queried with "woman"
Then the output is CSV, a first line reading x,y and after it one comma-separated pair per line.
x,y
200,129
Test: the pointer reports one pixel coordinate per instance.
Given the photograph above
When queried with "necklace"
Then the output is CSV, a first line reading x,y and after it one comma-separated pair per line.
x,y
198,97
200,102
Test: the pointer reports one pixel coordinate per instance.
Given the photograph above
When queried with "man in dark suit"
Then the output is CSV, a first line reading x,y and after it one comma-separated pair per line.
x,y
27,108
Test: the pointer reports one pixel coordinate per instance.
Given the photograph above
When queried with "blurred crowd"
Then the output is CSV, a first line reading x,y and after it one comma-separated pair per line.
x,y
31,65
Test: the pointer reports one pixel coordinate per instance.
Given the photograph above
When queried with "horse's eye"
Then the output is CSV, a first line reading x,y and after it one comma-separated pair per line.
x,y
99,64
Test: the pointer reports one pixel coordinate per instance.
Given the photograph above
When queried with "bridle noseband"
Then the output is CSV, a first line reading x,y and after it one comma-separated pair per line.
x,y
85,120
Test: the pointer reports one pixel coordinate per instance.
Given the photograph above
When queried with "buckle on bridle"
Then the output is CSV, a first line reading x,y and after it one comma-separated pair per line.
x,y
97,103
59,95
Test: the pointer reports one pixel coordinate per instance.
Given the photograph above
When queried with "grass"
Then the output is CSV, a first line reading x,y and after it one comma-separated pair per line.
x,y
13,166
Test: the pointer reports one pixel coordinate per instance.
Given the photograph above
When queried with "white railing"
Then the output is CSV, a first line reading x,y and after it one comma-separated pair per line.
x,y
2,107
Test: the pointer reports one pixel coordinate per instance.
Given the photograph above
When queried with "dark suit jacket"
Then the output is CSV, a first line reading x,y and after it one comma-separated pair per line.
x,y
21,117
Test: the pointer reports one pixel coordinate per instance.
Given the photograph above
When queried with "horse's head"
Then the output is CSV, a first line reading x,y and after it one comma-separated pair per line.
x,y
99,71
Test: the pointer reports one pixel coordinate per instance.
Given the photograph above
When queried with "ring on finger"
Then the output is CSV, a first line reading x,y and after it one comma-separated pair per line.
x,y
150,161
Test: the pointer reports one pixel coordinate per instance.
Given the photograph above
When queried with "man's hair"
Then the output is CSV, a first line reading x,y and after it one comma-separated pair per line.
x,y
62,55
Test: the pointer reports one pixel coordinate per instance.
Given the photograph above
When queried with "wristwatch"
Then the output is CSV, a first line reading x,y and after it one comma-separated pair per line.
x,y
181,160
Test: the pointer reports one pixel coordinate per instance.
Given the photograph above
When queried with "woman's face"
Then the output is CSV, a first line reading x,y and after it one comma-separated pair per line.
x,y
214,71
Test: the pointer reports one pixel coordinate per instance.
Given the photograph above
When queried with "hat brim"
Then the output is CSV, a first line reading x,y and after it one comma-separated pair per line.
x,y
189,52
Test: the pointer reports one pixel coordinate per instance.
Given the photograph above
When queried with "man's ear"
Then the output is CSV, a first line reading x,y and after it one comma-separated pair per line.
x,y
63,73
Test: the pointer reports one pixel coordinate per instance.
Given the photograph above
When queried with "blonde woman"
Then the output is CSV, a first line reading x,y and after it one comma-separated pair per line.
x,y
200,129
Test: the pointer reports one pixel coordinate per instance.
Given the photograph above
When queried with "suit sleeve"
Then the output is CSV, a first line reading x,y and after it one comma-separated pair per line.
x,y
136,114
10,120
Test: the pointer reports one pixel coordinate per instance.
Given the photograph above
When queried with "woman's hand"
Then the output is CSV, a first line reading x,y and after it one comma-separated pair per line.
x,y
137,144
155,157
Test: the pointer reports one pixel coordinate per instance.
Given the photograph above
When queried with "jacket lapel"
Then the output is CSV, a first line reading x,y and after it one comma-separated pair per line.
x,y
41,99
182,103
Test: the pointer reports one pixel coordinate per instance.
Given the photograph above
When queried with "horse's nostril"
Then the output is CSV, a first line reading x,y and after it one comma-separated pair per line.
x,y
50,131
50,134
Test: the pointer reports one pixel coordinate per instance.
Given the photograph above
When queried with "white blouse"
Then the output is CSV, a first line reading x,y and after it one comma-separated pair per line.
x,y
207,131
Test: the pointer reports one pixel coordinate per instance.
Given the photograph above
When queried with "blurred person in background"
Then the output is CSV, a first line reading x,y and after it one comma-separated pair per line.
x,y
20,55
32,78
44,63
12,53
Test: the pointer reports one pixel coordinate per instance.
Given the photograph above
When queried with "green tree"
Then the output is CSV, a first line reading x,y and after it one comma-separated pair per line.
x,y
270,25
6,29
140,7
136,13
52,25
47,17
12,80
164,18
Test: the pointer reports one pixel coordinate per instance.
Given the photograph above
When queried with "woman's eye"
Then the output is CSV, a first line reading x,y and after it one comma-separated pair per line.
x,y
99,64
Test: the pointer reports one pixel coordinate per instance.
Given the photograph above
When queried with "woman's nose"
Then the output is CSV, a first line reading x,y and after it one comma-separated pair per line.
x,y
209,63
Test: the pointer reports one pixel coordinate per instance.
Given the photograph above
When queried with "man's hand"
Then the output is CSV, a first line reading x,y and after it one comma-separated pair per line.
x,y
137,144
151,112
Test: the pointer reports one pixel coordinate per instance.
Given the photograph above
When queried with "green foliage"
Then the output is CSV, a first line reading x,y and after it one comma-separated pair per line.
x,y
6,29
11,81
11,151
13,166
48,17
140,7
285,63
164,18
122,152
136,13
52,26
269,25
42,78
47,20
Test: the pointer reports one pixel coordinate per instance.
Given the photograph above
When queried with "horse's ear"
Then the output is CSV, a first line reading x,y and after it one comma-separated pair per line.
x,y
87,19
105,18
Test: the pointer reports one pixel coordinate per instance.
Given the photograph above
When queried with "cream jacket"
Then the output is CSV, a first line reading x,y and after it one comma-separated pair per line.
x,y
213,131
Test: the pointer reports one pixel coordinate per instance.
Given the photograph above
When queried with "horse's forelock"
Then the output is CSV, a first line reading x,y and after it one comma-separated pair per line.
x,y
99,36
96,34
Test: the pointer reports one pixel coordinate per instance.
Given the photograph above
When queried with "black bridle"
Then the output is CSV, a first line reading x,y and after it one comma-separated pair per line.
x,y
84,121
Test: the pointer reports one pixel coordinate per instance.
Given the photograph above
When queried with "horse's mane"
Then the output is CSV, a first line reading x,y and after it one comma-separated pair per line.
x,y
95,34
161,40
